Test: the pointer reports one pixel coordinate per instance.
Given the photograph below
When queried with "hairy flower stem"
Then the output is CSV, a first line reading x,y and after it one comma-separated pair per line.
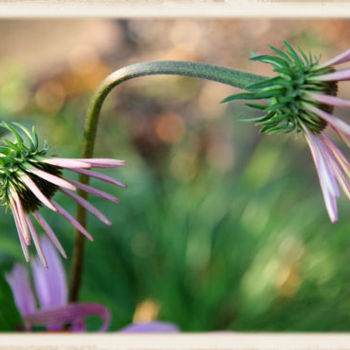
x,y
191,69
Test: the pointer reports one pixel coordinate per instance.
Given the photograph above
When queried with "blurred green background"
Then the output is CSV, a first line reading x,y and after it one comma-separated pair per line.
x,y
220,228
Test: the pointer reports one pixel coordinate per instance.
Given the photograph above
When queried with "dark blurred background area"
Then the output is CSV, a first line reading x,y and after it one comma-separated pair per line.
x,y
220,228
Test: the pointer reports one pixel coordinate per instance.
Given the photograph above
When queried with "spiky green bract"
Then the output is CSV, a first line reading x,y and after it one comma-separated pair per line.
x,y
16,157
285,94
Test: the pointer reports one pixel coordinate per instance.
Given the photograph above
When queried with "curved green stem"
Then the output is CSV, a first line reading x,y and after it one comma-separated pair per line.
x,y
191,69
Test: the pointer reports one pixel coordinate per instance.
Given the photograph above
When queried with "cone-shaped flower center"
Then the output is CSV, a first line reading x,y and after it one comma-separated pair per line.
x,y
287,95
16,158
29,201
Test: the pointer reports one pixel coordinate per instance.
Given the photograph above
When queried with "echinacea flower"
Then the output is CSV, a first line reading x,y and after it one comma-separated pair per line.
x,y
29,178
301,98
51,291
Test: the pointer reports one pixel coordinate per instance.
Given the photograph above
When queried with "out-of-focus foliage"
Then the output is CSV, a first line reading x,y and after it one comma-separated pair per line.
x,y
10,319
220,228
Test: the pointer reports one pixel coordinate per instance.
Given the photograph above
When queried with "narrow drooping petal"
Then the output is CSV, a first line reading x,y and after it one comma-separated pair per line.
x,y
23,243
103,162
20,233
341,160
50,233
343,182
88,206
56,180
69,314
72,220
96,192
334,121
19,281
99,176
66,163
345,138
50,284
323,175
330,100
36,240
36,191
342,58
150,327
326,158
21,221
339,75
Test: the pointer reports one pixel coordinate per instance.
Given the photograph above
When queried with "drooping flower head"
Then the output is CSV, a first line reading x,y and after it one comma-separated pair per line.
x,y
29,178
302,98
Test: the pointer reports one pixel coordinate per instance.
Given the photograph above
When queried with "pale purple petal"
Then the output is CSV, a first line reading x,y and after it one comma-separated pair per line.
x,y
56,180
49,232
88,206
19,281
21,221
23,244
329,199
66,163
100,177
330,100
342,58
50,283
78,326
72,220
341,178
150,327
334,121
69,314
96,192
343,137
36,240
341,160
103,162
36,191
19,231
339,75
326,158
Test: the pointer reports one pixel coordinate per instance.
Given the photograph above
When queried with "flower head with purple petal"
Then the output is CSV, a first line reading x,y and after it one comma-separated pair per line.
x,y
29,179
50,285
301,98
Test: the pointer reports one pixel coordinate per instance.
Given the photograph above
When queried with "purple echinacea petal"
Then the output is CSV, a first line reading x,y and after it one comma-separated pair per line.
x,y
329,199
338,155
56,180
99,177
19,212
49,233
327,158
66,163
88,206
20,231
329,118
103,162
330,100
72,220
342,58
96,192
36,240
50,283
56,317
36,191
339,75
19,281
150,327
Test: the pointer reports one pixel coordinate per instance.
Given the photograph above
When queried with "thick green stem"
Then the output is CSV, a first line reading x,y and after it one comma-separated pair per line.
x,y
191,69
